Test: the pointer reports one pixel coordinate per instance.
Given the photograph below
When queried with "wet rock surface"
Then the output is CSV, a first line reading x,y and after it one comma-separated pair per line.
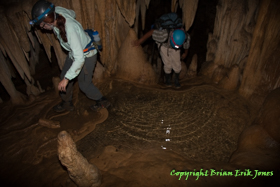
x,y
201,123
148,132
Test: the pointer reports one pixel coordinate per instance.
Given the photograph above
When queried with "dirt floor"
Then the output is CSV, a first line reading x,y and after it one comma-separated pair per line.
x,y
145,131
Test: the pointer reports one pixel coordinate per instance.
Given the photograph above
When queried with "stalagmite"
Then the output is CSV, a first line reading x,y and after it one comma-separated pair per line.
x,y
219,73
31,89
80,170
208,68
231,81
192,71
211,48
132,63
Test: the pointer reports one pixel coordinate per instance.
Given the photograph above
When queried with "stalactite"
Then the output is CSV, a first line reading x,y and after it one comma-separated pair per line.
x,y
137,12
174,5
90,13
5,79
78,11
143,13
189,11
46,42
127,9
16,20
229,44
34,53
59,53
85,14
13,48
233,30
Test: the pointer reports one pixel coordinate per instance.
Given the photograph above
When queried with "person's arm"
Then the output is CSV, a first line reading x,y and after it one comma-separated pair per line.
x,y
142,39
79,59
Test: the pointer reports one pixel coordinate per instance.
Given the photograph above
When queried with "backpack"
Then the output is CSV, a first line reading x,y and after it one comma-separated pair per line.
x,y
95,42
168,21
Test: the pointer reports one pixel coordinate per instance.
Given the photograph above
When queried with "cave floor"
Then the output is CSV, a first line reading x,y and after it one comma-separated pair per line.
x,y
143,127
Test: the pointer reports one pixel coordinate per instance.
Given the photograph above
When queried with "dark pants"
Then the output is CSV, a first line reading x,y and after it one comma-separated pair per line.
x,y
84,79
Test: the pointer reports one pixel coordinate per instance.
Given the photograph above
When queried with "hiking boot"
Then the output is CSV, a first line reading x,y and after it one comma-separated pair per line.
x,y
177,83
101,103
168,80
64,106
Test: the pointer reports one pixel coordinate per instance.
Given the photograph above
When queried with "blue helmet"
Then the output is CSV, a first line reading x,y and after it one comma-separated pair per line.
x,y
177,38
40,11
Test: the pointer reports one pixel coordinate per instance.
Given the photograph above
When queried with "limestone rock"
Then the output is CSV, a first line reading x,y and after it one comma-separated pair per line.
x,y
192,71
208,68
219,73
132,63
231,81
80,170
259,144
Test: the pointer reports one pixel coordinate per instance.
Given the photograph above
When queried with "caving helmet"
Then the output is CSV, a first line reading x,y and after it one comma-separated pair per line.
x,y
40,11
177,38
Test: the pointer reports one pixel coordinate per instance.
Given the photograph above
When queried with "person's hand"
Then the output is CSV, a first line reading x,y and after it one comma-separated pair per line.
x,y
135,43
62,85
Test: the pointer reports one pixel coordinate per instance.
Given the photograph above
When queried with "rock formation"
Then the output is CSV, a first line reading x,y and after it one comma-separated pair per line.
x,y
259,144
80,170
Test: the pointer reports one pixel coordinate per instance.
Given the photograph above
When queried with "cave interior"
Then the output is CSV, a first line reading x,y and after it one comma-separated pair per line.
x,y
225,117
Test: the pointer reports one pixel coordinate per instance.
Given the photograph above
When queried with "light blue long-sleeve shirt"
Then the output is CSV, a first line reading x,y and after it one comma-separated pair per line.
x,y
77,41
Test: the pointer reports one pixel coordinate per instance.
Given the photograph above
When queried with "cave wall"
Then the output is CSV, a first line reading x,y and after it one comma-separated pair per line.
x,y
243,50
262,72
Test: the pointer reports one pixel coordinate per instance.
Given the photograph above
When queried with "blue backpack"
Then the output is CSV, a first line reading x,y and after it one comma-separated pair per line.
x,y
95,42
168,21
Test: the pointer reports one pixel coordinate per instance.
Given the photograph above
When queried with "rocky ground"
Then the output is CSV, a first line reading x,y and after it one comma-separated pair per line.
x,y
145,131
